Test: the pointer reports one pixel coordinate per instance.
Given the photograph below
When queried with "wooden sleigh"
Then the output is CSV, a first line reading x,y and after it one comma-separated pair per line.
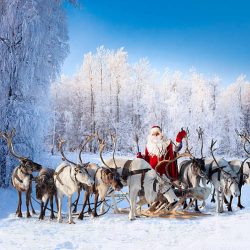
x,y
164,210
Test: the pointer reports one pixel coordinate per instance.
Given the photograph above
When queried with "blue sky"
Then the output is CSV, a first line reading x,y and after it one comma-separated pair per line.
x,y
211,36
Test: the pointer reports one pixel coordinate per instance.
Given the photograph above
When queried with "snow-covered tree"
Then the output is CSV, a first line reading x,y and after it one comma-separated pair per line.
x,y
33,45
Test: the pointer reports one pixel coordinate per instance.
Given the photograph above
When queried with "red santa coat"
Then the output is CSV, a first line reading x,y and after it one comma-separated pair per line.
x,y
169,155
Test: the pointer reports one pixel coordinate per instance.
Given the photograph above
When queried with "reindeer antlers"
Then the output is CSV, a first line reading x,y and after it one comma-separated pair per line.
x,y
9,137
246,138
212,152
113,137
60,143
101,146
200,132
83,144
187,150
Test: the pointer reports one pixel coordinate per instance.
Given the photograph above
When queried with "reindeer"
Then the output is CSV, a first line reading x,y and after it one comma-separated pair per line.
x,y
191,171
46,190
224,180
104,178
67,178
242,169
22,175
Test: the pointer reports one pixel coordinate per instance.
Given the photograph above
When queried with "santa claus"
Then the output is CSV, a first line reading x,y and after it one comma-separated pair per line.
x,y
159,148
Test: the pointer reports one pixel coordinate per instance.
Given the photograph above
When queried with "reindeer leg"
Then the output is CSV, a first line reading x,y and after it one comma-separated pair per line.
x,y
132,201
41,212
86,196
70,213
184,204
52,215
75,203
89,207
229,206
196,206
32,208
28,202
239,201
213,199
96,199
218,206
116,210
45,207
56,198
226,201
59,215
19,207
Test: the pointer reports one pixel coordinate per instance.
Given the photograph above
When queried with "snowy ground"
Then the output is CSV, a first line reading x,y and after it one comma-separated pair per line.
x,y
111,231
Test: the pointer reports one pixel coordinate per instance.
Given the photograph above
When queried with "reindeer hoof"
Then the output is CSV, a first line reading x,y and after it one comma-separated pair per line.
x,y
59,220
94,214
72,222
52,217
213,200
28,215
20,215
80,217
240,206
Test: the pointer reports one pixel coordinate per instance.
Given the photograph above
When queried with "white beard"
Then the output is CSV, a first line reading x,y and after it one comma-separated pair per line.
x,y
157,145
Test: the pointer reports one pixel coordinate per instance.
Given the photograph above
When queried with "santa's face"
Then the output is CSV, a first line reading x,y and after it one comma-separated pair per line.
x,y
156,137
157,143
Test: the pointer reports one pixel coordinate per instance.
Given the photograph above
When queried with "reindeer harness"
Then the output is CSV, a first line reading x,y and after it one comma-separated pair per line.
x,y
24,173
61,170
126,172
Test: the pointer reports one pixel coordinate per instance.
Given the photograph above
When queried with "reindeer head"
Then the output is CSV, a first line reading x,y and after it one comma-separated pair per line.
x,y
82,176
33,166
44,185
231,186
246,172
113,177
198,167
115,180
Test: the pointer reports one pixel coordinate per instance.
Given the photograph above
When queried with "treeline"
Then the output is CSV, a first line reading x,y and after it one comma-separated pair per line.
x,y
108,94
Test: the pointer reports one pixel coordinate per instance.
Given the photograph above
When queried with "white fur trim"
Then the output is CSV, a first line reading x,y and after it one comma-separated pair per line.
x,y
154,130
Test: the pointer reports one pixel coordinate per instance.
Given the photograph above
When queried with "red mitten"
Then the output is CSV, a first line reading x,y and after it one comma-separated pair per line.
x,y
181,135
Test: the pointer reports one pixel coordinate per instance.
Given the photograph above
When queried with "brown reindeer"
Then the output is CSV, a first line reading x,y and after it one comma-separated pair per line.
x,y
46,190
22,175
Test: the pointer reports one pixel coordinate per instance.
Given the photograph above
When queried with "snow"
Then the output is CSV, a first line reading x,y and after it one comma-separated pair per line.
x,y
114,231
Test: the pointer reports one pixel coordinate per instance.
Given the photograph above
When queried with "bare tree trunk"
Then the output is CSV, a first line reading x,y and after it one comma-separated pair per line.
x,y
118,99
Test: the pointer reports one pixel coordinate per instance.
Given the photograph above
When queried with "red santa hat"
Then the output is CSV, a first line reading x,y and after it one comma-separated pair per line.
x,y
155,129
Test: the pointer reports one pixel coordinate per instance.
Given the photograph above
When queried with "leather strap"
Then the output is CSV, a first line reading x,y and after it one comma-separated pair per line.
x,y
126,170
